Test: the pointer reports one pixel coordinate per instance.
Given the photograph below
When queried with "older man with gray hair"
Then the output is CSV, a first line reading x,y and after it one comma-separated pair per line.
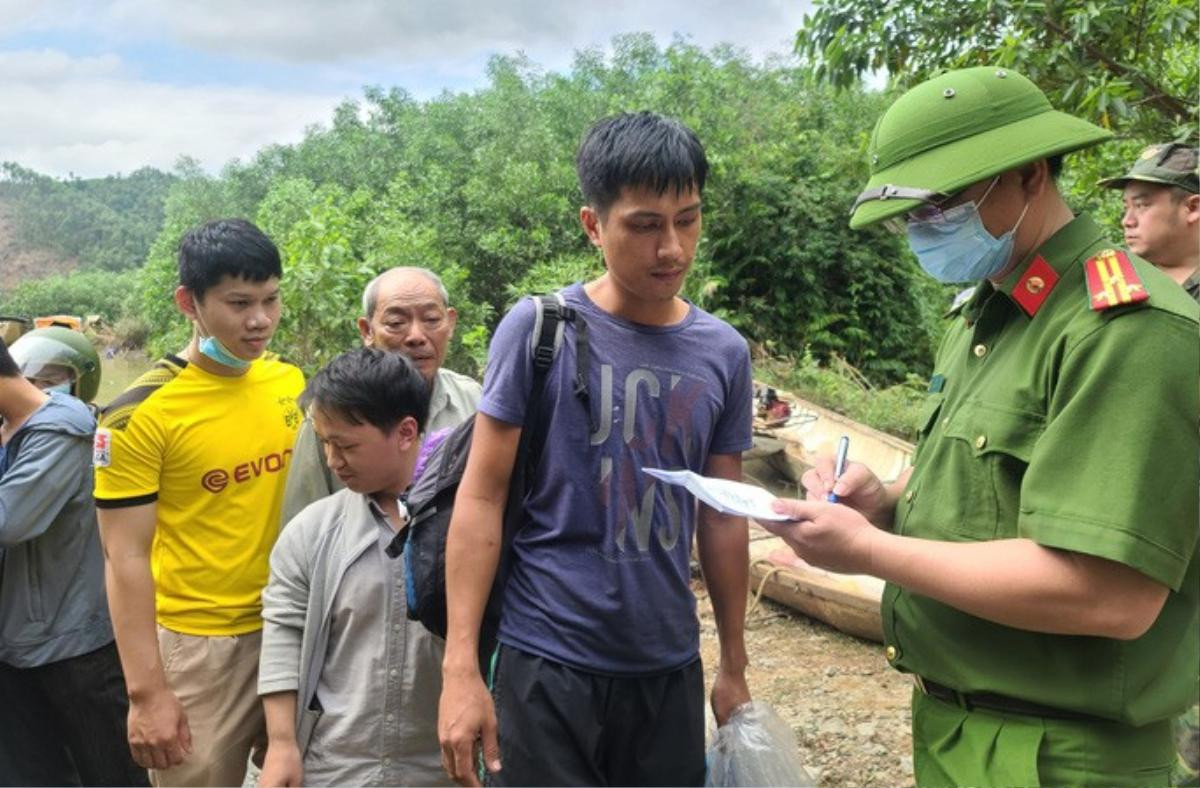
x,y
405,310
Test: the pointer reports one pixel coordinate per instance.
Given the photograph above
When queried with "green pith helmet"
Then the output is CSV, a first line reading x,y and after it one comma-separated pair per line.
x,y
45,352
959,128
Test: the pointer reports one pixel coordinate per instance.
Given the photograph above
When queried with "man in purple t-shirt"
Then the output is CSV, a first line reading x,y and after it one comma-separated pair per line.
x,y
598,678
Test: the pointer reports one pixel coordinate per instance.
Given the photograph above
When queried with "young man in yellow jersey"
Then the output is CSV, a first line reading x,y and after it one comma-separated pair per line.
x,y
190,467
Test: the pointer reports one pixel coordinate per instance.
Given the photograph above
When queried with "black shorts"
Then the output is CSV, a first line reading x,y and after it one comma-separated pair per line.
x,y
562,726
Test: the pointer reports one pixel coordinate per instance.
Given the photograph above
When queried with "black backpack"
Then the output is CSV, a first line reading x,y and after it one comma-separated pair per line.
x,y
431,500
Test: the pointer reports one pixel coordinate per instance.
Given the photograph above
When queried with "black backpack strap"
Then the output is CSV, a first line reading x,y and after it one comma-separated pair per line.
x,y
552,313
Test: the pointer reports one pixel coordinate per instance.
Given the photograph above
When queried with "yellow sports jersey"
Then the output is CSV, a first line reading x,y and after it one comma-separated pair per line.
x,y
212,452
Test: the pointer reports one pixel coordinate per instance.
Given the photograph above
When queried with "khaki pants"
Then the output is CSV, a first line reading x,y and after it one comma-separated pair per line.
x,y
216,680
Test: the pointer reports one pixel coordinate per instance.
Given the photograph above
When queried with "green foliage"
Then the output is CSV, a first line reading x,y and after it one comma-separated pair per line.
x,y
82,293
797,277
481,188
895,409
103,222
555,274
1130,66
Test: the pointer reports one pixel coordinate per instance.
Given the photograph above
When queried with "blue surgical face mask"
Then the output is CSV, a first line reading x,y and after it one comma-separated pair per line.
x,y
954,246
61,388
211,348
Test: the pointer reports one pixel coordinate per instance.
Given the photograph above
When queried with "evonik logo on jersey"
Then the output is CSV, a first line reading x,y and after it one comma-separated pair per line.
x,y
218,479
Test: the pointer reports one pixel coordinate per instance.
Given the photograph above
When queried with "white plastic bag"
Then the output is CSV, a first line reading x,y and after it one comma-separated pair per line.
x,y
755,747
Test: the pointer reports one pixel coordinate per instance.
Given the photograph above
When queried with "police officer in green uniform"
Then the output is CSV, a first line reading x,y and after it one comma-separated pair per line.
x,y
1041,553
1161,192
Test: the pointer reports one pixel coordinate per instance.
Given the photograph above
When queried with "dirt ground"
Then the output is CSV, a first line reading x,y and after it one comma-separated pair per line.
x,y
848,709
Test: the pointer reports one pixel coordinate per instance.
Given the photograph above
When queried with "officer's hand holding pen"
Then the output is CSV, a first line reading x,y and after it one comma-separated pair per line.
x,y
857,488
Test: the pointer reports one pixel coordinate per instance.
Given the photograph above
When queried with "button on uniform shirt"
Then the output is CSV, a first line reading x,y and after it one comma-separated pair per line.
x,y
380,683
1076,428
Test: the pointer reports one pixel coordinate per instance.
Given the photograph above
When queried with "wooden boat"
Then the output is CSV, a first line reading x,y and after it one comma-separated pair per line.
x,y
784,449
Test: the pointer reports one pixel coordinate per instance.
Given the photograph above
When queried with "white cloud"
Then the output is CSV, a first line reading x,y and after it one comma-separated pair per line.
x,y
218,79
91,117
412,31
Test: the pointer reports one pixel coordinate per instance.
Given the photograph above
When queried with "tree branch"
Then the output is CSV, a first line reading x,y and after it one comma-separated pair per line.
x,y
1156,96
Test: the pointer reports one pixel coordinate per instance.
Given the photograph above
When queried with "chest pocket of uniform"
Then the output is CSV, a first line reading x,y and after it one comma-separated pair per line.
x,y
992,448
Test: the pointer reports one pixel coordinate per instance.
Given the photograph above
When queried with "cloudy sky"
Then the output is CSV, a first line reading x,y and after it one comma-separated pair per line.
x,y
94,88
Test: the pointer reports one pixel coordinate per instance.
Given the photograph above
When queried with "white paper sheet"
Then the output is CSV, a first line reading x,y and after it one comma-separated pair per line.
x,y
725,496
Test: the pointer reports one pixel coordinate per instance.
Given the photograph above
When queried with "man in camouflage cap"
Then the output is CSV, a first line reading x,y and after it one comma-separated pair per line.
x,y
1162,211
1041,553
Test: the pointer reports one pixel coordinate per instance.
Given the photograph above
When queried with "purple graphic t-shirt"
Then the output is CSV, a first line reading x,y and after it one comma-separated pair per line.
x,y
600,577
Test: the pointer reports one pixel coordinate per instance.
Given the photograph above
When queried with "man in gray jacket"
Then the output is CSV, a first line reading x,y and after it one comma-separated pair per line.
x,y
349,684
405,310
62,694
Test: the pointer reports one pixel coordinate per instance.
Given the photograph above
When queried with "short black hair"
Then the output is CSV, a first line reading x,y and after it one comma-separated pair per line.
x,y
372,386
642,149
1054,164
226,247
8,366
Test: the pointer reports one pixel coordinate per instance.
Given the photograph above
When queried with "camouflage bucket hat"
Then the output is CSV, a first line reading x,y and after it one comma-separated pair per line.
x,y
1171,164
961,127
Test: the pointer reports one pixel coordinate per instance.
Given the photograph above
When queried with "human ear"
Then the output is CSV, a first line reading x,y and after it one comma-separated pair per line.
x,y
590,220
1192,205
407,433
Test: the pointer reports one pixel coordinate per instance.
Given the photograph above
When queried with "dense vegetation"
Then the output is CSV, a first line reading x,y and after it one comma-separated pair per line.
x,y
481,187
105,223
83,293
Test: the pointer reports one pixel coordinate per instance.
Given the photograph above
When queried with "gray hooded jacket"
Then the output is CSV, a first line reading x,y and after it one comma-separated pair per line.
x,y
52,603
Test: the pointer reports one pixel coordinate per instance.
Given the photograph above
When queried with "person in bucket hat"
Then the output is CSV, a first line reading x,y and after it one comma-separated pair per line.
x,y
1162,211
1041,553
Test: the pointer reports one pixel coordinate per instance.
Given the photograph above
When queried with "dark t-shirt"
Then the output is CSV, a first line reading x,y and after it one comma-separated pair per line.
x,y
600,576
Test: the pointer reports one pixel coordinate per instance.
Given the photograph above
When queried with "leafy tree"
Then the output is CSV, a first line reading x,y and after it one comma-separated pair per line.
x,y
1129,66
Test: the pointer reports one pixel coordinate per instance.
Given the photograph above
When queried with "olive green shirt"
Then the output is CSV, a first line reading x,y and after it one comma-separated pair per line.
x,y
453,400
1077,429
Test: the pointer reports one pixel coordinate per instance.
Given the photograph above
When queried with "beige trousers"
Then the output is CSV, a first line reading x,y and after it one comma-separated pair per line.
x,y
216,680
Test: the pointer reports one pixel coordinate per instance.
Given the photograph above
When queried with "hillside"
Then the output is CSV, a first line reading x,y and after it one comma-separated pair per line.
x,y
19,262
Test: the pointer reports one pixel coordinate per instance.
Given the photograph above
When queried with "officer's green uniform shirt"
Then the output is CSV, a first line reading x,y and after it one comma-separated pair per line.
x,y
1076,429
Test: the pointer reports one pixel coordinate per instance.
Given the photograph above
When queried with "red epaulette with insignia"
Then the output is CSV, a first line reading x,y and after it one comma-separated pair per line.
x,y
1111,281
1034,286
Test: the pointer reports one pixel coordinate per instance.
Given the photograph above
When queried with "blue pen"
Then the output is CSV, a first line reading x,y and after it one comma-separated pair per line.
x,y
839,464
